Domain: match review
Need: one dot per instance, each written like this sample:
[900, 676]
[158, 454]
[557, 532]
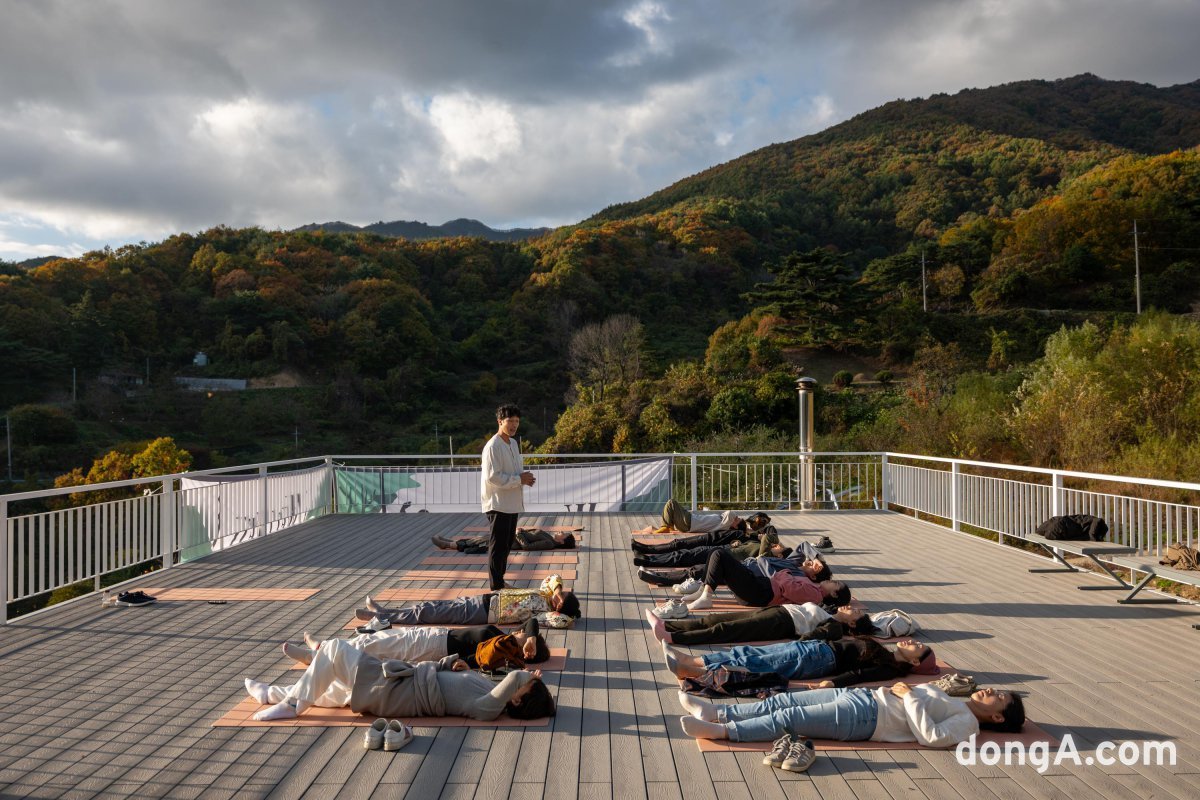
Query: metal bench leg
[1144, 600]
[1120, 581]
[1057, 557]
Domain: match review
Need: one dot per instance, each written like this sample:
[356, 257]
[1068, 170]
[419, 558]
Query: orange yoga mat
[219, 593]
[557, 661]
[1031, 733]
[470, 575]
[546, 528]
[515, 558]
[439, 593]
[240, 716]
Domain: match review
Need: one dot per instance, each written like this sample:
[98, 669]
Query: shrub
[843, 378]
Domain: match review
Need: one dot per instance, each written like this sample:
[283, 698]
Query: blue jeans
[807, 659]
[848, 715]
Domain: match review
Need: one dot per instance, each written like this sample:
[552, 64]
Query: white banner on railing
[219, 511]
[634, 485]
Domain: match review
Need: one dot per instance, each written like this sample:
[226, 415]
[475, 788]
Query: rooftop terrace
[120, 702]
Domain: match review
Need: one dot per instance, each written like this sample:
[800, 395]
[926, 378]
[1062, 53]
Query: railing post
[955, 499]
[806, 388]
[262, 484]
[694, 504]
[1056, 495]
[329, 473]
[166, 517]
[885, 480]
[3, 561]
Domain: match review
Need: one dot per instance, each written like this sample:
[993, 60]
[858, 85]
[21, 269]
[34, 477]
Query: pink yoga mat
[546, 528]
[1031, 733]
[471, 575]
[521, 558]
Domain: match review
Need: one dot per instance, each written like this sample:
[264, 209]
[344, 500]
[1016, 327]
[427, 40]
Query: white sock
[699, 729]
[276, 694]
[700, 709]
[696, 595]
[260, 691]
[282, 710]
[703, 601]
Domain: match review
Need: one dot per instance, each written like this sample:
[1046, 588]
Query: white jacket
[500, 484]
[926, 715]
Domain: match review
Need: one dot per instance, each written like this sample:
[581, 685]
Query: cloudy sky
[128, 120]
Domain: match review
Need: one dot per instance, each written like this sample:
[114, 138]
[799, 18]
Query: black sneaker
[824, 545]
[638, 547]
[131, 599]
[639, 561]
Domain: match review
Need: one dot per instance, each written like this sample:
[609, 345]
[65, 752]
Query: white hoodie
[926, 715]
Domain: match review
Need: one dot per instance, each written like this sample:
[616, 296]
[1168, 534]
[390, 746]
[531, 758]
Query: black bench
[1091, 550]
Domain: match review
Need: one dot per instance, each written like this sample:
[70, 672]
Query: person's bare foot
[658, 626]
[372, 606]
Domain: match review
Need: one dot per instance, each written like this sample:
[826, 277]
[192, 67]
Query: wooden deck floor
[119, 702]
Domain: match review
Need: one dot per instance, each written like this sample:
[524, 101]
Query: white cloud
[151, 120]
[474, 129]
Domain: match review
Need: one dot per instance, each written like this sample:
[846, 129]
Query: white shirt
[926, 715]
[409, 643]
[711, 521]
[500, 483]
[806, 616]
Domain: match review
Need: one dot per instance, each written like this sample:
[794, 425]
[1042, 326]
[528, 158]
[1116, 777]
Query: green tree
[816, 293]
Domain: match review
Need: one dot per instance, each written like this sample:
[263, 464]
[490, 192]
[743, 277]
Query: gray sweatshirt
[430, 689]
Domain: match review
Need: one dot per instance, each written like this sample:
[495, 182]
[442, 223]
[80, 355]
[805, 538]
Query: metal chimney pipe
[806, 388]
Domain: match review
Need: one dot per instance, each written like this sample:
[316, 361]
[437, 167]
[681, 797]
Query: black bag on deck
[1074, 527]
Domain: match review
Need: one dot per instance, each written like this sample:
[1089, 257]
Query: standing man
[501, 490]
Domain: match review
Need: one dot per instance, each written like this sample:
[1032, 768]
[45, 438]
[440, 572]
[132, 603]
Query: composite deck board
[118, 702]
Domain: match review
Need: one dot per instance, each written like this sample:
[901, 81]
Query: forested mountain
[713, 293]
[422, 230]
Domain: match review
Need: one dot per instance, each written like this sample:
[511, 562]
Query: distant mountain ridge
[422, 230]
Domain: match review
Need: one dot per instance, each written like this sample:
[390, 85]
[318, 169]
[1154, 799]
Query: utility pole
[296, 434]
[924, 294]
[451, 451]
[8, 438]
[74, 396]
[1137, 270]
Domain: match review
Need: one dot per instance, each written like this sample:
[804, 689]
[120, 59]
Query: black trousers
[714, 539]
[724, 568]
[678, 558]
[740, 626]
[500, 542]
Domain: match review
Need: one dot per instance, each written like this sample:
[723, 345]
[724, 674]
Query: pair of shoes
[956, 685]
[387, 735]
[824, 545]
[672, 609]
[791, 753]
[376, 625]
[687, 587]
[132, 599]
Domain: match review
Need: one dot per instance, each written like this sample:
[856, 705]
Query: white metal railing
[190, 515]
[1012, 500]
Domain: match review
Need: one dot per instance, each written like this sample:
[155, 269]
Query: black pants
[714, 539]
[740, 626]
[724, 568]
[678, 558]
[504, 530]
